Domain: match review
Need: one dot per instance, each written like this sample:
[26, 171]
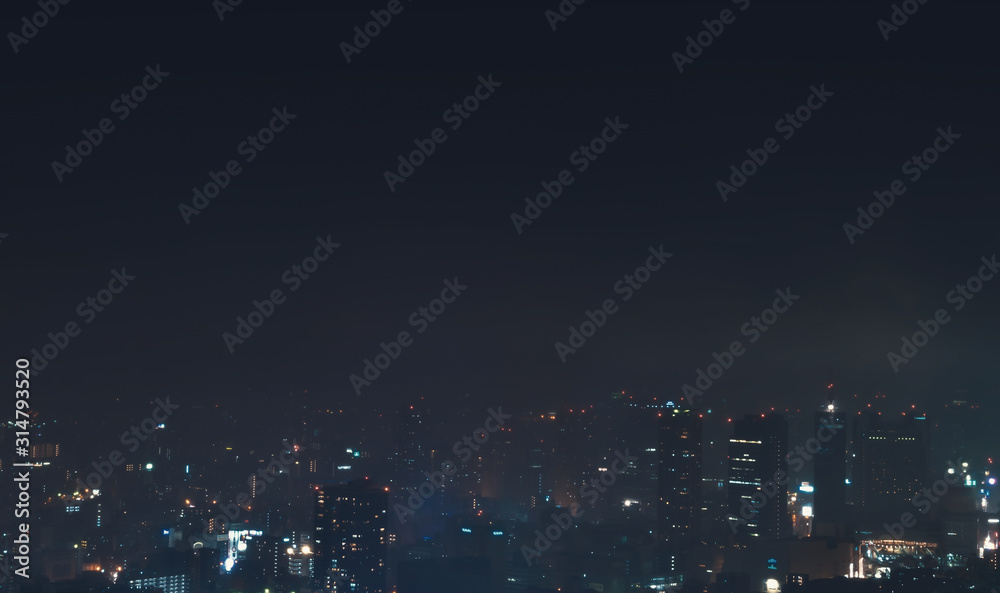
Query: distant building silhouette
[350, 538]
[830, 472]
[891, 463]
[679, 473]
[408, 429]
[758, 483]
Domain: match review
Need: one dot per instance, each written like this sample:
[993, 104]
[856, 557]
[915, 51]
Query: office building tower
[350, 539]
[758, 482]
[830, 469]
[891, 462]
[679, 485]
[408, 433]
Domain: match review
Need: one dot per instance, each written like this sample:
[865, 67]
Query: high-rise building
[408, 431]
[351, 522]
[679, 479]
[830, 470]
[891, 463]
[758, 484]
[204, 568]
[264, 556]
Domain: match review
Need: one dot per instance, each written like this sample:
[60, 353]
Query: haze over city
[570, 296]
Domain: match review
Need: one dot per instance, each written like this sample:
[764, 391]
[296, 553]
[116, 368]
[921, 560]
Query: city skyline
[394, 297]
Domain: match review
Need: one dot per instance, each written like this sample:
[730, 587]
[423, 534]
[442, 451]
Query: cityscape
[623, 494]
[564, 296]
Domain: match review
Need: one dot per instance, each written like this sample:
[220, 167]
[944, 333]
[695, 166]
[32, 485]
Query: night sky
[323, 176]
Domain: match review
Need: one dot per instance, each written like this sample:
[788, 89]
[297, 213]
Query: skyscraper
[758, 485]
[351, 532]
[892, 462]
[679, 478]
[830, 471]
[408, 432]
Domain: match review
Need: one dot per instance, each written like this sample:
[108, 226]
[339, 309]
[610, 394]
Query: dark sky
[655, 185]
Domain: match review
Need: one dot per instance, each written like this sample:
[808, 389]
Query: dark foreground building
[350, 537]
